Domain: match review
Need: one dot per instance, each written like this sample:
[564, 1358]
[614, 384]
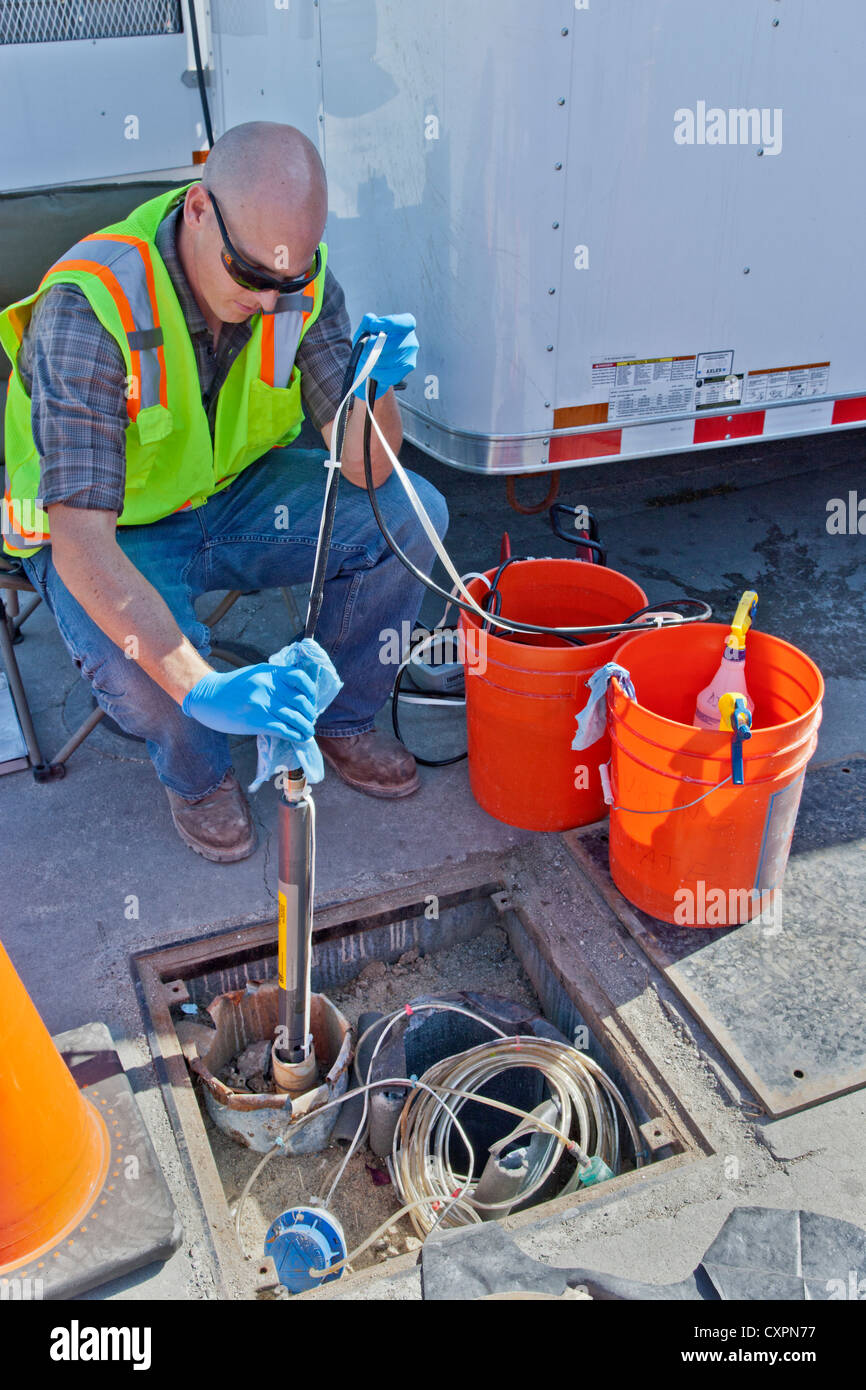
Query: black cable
[317, 586]
[664, 605]
[493, 600]
[461, 603]
[199, 71]
[425, 762]
[427, 694]
[589, 541]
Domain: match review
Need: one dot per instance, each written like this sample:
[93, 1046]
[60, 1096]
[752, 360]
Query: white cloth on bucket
[592, 719]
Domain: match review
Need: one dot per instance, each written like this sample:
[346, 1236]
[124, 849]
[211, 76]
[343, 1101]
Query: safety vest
[171, 461]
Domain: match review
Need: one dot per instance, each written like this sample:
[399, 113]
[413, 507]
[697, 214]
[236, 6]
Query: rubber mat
[782, 1002]
[133, 1221]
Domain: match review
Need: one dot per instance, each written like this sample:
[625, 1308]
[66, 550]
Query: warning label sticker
[642, 388]
[603, 374]
[787, 383]
[714, 363]
[718, 390]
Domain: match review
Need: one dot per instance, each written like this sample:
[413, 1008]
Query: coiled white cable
[433, 1194]
[587, 1125]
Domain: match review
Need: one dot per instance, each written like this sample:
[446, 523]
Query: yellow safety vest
[171, 461]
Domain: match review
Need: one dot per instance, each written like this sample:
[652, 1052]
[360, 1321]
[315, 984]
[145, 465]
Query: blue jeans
[258, 533]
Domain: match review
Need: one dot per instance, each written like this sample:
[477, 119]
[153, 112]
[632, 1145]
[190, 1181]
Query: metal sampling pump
[294, 1056]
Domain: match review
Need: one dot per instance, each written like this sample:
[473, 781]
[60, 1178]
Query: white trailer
[625, 227]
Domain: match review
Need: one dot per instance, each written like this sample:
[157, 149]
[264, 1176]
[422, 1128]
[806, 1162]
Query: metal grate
[242, 17]
[58, 21]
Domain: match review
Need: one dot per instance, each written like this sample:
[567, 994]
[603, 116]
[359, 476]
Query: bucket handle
[607, 793]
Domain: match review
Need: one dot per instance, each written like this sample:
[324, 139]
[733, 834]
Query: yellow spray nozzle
[731, 703]
[726, 709]
[743, 617]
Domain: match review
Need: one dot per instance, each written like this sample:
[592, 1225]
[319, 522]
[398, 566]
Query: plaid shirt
[75, 375]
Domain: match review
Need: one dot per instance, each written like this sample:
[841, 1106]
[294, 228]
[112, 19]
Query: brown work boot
[218, 826]
[374, 763]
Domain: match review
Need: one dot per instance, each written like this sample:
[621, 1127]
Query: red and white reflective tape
[673, 435]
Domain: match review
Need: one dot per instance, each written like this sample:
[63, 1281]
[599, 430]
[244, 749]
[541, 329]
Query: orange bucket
[522, 695]
[718, 860]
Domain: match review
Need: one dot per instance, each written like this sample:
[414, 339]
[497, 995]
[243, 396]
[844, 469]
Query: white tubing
[420, 510]
[586, 1097]
[458, 585]
[389, 1024]
[424, 518]
[332, 462]
[433, 536]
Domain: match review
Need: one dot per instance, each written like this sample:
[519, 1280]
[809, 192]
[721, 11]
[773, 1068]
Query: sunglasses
[250, 277]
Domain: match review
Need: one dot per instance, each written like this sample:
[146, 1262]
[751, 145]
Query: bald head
[274, 169]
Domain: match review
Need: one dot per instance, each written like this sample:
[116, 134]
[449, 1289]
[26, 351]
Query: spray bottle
[731, 675]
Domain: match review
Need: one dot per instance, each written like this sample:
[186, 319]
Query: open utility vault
[348, 937]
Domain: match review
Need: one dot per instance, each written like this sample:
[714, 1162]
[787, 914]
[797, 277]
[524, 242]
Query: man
[159, 372]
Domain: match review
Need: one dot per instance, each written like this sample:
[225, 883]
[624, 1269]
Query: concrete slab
[781, 998]
[836, 1127]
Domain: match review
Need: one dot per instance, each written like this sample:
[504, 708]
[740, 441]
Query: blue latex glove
[278, 754]
[262, 699]
[398, 356]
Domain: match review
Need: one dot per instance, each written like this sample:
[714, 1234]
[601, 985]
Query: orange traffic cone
[54, 1146]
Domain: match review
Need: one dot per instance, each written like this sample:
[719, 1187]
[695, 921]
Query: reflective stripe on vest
[281, 332]
[16, 535]
[129, 280]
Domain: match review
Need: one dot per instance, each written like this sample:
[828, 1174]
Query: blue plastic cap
[303, 1239]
